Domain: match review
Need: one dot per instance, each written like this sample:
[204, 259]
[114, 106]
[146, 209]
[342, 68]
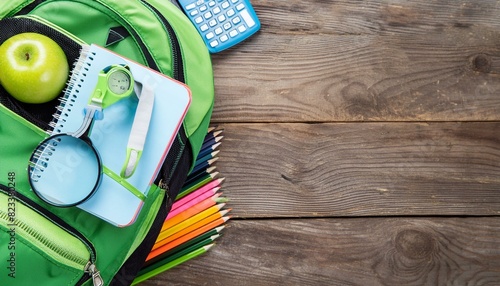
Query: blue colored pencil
[211, 142]
[208, 150]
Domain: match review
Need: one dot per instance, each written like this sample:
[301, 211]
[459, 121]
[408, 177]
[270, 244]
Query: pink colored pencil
[194, 195]
[200, 190]
[192, 203]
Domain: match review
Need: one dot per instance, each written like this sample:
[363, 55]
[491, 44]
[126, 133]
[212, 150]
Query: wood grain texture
[361, 251]
[324, 61]
[362, 147]
[361, 169]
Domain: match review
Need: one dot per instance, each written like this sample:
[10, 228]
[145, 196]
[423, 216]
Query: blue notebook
[112, 202]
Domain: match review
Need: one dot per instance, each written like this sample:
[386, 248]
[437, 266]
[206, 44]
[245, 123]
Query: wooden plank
[351, 17]
[369, 169]
[360, 251]
[324, 61]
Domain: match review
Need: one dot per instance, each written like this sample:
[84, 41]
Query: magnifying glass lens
[64, 170]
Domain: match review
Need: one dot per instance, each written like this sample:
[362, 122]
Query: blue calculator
[222, 23]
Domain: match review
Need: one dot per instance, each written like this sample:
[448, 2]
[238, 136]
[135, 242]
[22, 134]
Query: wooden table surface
[362, 147]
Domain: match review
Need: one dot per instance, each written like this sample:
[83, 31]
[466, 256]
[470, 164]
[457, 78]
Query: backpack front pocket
[44, 250]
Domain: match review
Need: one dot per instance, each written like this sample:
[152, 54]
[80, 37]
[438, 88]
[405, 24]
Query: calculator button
[242, 29]
[240, 7]
[216, 10]
[210, 35]
[200, 2]
[212, 23]
[221, 18]
[214, 43]
[224, 38]
[236, 20]
[247, 18]
[194, 13]
[204, 27]
[211, 3]
[203, 8]
[218, 31]
[198, 20]
[227, 26]
[208, 15]
[234, 1]
[190, 6]
[233, 33]
[225, 5]
[230, 12]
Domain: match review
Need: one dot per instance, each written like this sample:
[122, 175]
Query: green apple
[33, 68]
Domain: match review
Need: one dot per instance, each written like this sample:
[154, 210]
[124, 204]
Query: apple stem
[27, 56]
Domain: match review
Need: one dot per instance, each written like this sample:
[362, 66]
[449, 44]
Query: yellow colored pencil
[205, 224]
[180, 226]
[190, 212]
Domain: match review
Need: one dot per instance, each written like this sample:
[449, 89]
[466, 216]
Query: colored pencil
[212, 134]
[211, 142]
[199, 192]
[208, 150]
[205, 158]
[171, 264]
[202, 224]
[183, 240]
[205, 199]
[211, 128]
[202, 239]
[204, 165]
[200, 173]
[175, 255]
[200, 181]
[189, 212]
[184, 224]
[210, 185]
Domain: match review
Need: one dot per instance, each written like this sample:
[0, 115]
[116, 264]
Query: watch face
[119, 82]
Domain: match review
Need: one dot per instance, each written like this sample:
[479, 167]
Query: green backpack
[45, 245]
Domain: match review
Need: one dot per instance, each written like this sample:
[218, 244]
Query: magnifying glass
[66, 169]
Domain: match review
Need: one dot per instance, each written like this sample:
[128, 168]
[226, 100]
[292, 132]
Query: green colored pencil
[172, 264]
[200, 181]
[196, 184]
[199, 174]
[174, 254]
[208, 234]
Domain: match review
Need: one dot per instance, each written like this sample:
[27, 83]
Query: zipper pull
[91, 269]
[163, 185]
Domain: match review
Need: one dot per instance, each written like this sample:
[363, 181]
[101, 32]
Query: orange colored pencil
[183, 224]
[181, 240]
[196, 232]
[199, 207]
[194, 225]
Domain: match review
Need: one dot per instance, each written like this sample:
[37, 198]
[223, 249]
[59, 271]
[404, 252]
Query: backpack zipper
[178, 66]
[55, 27]
[90, 269]
[163, 180]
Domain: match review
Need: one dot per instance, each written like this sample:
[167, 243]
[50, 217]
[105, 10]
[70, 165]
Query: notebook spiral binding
[72, 89]
[40, 158]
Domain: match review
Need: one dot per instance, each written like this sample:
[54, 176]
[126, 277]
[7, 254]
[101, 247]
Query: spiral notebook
[112, 202]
